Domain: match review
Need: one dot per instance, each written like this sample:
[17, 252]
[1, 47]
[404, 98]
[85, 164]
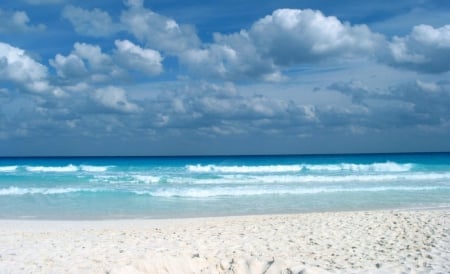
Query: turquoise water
[152, 187]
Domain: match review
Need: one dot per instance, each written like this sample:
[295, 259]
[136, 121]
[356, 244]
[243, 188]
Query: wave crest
[8, 168]
[68, 168]
[374, 167]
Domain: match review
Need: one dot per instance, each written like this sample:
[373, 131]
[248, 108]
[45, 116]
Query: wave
[8, 168]
[244, 169]
[348, 178]
[253, 179]
[375, 167]
[197, 192]
[15, 191]
[255, 191]
[147, 179]
[68, 168]
[300, 178]
[88, 168]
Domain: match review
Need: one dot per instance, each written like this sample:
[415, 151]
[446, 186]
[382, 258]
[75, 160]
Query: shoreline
[177, 217]
[379, 241]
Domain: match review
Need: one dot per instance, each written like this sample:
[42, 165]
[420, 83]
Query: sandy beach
[337, 242]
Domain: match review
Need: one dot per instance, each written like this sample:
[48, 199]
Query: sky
[223, 77]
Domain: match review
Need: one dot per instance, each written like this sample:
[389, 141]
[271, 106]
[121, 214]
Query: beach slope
[336, 242]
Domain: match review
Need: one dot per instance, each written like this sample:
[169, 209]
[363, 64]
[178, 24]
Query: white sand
[343, 242]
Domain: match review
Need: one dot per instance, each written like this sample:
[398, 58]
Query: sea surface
[168, 187]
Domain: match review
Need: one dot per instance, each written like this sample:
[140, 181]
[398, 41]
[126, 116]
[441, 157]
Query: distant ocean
[167, 187]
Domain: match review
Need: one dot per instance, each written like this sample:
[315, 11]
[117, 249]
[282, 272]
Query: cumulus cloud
[18, 67]
[136, 58]
[287, 37]
[115, 99]
[158, 31]
[292, 36]
[96, 59]
[96, 23]
[231, 57]
[86, 62]
[425, 49]
[89, 63]
[17, 21]
[70, 66]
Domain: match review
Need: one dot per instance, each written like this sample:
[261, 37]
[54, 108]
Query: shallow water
[152, 187]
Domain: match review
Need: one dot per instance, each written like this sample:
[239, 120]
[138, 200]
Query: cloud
[136, 58]
[425, 49]
[355, 89]
[429, 100]
[114, 98]
[90, 64]
[231, 57]
[411, 104]
[69, 67]
[86, 62]
[292, 36]
[96, 59]
[18, 67]
[158, 31]
[44, 2]
[96, 23]
[17, 21]
[286, 38]
[218, 110]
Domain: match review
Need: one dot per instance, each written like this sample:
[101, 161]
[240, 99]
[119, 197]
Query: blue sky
[135, 77]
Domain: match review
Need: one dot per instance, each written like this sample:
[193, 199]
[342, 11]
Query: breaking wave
[254, 191]
[68, 168]
[375, 167]
[15, 191]
[8, 168]
[88, 168]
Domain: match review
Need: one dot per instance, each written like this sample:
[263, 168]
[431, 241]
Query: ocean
[86, 188]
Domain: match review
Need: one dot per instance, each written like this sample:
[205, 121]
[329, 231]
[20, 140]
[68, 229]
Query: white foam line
[68, 168]
[8, 168]
[375, 167]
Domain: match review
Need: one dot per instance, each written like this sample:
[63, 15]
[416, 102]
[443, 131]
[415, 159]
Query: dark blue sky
[170, 77]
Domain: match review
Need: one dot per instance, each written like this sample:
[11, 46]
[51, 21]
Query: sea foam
[45, 191]
[68, 168]
[88, 168]
[8, 168]
[374, 167]
[257, 191]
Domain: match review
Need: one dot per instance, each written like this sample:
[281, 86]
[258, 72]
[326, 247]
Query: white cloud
[425, 49]
[69, 67]
[137, 58]
[88, 63]
[17, 21]
[114, 98]
[97, 60]
[96, 23]
[16, 66]
[286, 38]
[292, 36]
[158, 31]
[229, 57]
